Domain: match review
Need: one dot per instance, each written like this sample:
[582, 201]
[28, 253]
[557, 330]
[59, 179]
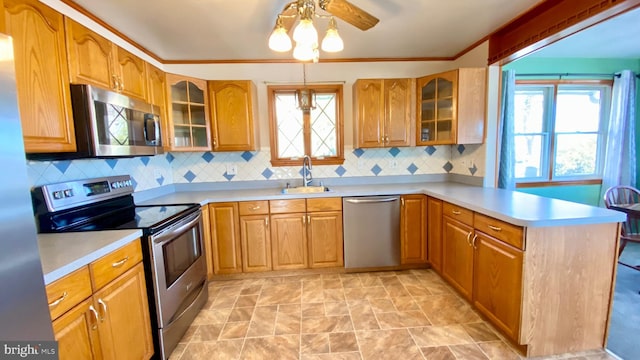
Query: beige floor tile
[370, 280]
[397, 291]
[333, 356]
[387, 344]
[405, 303]
[246, 301]
[343, 342]
[251, 290]
[241, 314]
[437, 353]
[207, 333]
[375, 292]
[326, 324]
[333, 294]
[177, 352]
[313, 309]
[204, 350]
[208, 317]
[312, 285]
[287, 324]
[314, 343]
[440, 335]
[352, 282]
[280, 294]
[417, 290]
[290, 308]
[498, 350]
[234, 330]
[480, 332]
[331, 283]
[468, 352]
[224, 302]
[284, 347]
[365, 322]
[336, 308]
[402, 319]
[188, 335]
[230, 290]
[382, 305]
[312, 296]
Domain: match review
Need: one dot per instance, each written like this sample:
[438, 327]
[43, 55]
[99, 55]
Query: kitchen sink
[304, 189]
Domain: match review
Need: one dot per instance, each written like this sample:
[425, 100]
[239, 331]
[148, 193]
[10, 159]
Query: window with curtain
[316, 132]
[560, 130]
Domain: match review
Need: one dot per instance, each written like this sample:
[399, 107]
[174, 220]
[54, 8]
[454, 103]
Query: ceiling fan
[305, 34]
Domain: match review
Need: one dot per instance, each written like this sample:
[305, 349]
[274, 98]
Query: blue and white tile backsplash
[197, 167]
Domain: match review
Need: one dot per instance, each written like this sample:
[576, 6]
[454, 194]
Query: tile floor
[381, 315]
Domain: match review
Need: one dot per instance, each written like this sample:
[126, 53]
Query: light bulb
[332, 42]
[279, 40]
[303, 52]
[305, 32]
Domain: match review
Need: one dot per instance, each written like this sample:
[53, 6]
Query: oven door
[179, 267]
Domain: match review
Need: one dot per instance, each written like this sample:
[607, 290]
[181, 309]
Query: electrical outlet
[393, 163]
[232, 169]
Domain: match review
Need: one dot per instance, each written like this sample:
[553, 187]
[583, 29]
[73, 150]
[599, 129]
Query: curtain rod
[560, 75]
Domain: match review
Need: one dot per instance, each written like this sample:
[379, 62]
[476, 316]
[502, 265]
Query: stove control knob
[68, 193]
[57, 195]
[115, 185]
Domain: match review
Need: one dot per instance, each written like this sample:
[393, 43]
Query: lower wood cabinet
[413, 229]
[497, 288]
[457, 255]
[289, 241]
[434, 233]
[113, 322]
[325, 239]
[225, 238]
[255, 238]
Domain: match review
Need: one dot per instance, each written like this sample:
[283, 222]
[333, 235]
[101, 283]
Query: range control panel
[69, 194]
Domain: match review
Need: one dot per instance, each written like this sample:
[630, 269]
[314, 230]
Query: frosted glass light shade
[332, 42]
[279, 40]
[305, 32]
[303, 52]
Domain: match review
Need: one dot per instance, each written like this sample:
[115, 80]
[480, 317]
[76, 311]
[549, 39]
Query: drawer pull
[455, 212]
[104, 309]
[120, 263]
[255, 208]
[494, 228]
[469, 239]
[473, 242]
[95, 315]
[58, 300]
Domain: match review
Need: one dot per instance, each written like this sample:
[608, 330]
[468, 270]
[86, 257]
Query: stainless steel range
[173, 252]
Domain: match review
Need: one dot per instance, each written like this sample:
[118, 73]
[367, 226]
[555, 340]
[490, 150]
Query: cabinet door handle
[116, 85]
[255, 208]
[494, 228]
[120, 263]
[266, 222]
[303, 220]
[104, 309]
[455, 212]
[473, 241]
[58, 300]
[95, 316]
[215, 141]
[469, 238]
[402, 202]
[308, 219]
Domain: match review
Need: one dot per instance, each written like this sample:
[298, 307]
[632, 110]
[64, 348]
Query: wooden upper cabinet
[233, 115]
[451, 107]
[187, 105]
[97, 61]
[157, 87]
[42, 76]
[382, 112]
[132, 73]
[413, 229]
[2, 24]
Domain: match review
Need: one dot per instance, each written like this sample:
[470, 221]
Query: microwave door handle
[154, 129]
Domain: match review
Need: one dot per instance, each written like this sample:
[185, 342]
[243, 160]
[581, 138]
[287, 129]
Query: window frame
[338, 159]
[549, 124]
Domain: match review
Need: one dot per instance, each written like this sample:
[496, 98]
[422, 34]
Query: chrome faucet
[306, 171]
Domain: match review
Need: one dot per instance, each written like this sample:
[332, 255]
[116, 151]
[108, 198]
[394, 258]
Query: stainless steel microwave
[108, 124]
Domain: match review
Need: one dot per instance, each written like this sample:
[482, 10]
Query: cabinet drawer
[115, 264]
[324, 204]
[500, 230]
[287, 206]
[66, 292]
[253, 207]
[461, 214]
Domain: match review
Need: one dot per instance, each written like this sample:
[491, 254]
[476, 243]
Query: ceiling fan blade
[349, 13]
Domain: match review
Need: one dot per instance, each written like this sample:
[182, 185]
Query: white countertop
[511, 206]
[64, 253]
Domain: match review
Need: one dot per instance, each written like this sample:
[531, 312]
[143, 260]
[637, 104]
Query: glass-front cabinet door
[437, 108]
[189, 124]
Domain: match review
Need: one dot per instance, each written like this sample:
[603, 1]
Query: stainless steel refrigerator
[24, 312]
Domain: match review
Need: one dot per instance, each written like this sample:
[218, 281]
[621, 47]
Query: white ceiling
[614, 38]
[239, 29]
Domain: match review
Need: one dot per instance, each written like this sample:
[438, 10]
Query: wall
[204, 167]
[588, 194]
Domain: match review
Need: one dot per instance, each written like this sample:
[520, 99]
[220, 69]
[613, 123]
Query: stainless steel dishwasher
[371, 231]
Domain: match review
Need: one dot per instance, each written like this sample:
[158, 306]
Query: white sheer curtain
[506, 167]
[620, 156]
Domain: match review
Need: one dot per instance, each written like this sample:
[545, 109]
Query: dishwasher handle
[369, 201]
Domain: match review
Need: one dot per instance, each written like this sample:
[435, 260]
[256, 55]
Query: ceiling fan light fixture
[279, 40]
[305, 32]
[332, 41]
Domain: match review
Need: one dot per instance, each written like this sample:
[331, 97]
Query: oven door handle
[172, 233]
